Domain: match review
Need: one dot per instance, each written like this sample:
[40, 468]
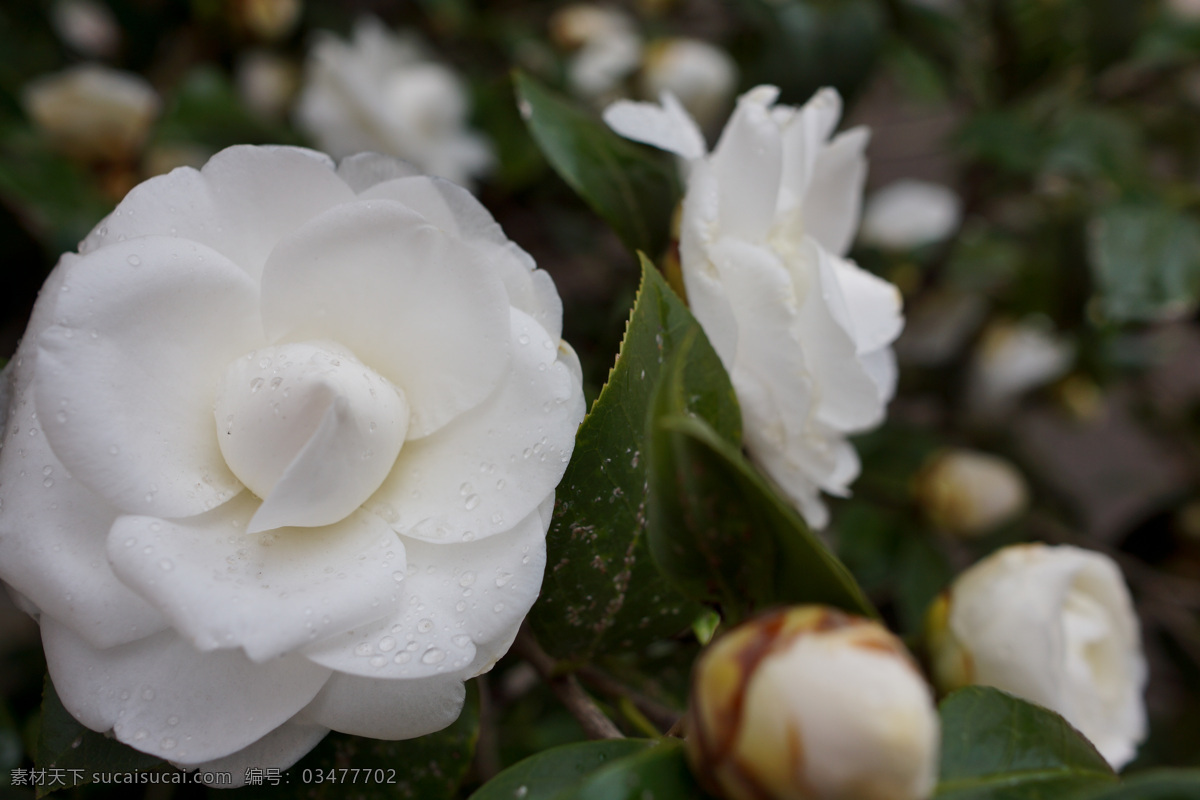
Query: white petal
[364, 170]
[488, 469]
[705, 292]
[279, 749]
[457, 212]
[833, 203]
[52, 533]
[310, 429]
[805, 133]
[849, 399]
[388, 709]
[874, 306]
[125, 385]
[267, 593]
[668, 127]
[413, 303]
[464, 604]
[748, 162]
[239, 204]
[162, 697]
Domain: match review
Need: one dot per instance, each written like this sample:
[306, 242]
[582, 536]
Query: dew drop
[425, 626]
[503, 578]
[134, 261]
[462, 640]
[466, 579]
[465, 489]
[500, 484]
[60, 415]
[362, 649]
[402, 658]
[471, 501]
[256, 384]
[523, 339]
[113, 450]
[168, 743]
[498, 607]
[387, 644]
[398, 576]
[172, 720]
[433, 656]
[377, 661]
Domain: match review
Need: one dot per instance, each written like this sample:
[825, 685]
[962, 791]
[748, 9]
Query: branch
[566, 686]
[660, 715]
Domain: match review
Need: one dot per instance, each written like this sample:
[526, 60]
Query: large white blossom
[804, 333]
[381, 93]
[281, 447]
[1055, 626]
[809, 703]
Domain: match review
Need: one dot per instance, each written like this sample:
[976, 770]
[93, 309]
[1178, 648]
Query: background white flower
[1011, 359]
[910, 213]
[809, 702]
[381, 93]
[365, 350]
[1053, 625]
[92, 112]
[606, 45]
[804, 332]
[970, 493]
[701, 75]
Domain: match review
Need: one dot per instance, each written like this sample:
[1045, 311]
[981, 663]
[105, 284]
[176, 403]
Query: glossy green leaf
[55, 199]
[543, 776]
[997, 747]
[717, 530]
[1145, 259]
[1161, 784]
[633, 187]
[71, 752]
[430, 767]
[206, 110]
[602, 592]
[660, 772]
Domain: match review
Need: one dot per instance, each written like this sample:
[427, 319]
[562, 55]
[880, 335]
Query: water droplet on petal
[134, 261]
[433, 656]
[425, 626]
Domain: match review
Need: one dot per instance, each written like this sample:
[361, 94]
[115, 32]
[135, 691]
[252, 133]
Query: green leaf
[602, 592]
[1145, 259]
[543, 776]
[660, 772]
[717, 530]
[75, 752]
[205, 109]
[1161, 784]
[430, 767]
[997, 747]
[634, 188]
[55, 199]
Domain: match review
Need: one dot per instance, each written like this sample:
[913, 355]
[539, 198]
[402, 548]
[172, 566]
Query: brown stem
[487, 747]
[661, 715]
[567, 688]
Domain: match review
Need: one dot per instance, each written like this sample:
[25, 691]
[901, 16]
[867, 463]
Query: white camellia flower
[811, 703]
[1052, 625]
[92, 112]
[909, 213]
[280, 455]
[804, 333]
[381, 93]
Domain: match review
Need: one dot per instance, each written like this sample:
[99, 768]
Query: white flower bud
[606, 44]
[703, 77]
[1052, 625]
[87, 26]
[811, 703]
[969, 493]
[908, 213]
[266, 83]
[1188, 10]
[1013, 358]
[93, 113]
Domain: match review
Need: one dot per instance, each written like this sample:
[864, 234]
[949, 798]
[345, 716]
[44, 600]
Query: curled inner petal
[310, 429]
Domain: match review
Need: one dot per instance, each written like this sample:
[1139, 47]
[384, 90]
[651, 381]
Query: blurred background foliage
[1052, 324]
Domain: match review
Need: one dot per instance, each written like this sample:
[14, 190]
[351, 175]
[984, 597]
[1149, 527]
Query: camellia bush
[642, 400]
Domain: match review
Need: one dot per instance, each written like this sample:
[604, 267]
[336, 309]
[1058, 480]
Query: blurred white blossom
[812, 703]
[381, 93]
[606, 45]
[92, 112]
[1052, 625]
[969, 493]
[87, 26]
[910, 213]
[1185, 9]
[266, 83]
[1012, 358]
